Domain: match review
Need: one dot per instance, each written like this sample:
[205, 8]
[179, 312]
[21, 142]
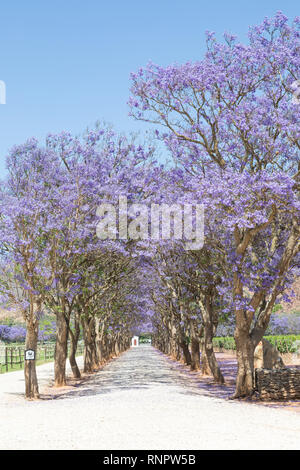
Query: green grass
[16, 367]
[41, 359]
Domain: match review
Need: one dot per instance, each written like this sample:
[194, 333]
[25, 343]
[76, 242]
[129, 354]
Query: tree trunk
[73, 362]
[195, 354]
[74, 341]
[211, 358]
[195, 348]
[178, 352]
[210, 322]
[90, 357]
[61, 350]
[205, 370]
[89, 364]
[186, 353]
[99, 328]
[173, 342]
[31, 382]
[208, 334]
[245, 359]
[105, 348]
[116, 348]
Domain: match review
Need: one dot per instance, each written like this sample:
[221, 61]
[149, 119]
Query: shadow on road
[145, 368]
[138, 368]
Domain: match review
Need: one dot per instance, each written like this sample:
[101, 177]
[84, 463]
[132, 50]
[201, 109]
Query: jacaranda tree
[233, 114]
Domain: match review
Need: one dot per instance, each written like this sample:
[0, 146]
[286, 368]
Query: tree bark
[105, 348]
[205, 370]
[99, 328]
[195, 354]
[31, 382]
[116, 348]
[208, 334]
[211, 359]
[245, 359]
[246, 340]
[61, 350]
[185, 347]
[90, 356]
[173, 342]
[178, 351]
[195, 348]
[74, 341]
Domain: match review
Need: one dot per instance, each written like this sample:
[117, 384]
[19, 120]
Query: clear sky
[66, 64]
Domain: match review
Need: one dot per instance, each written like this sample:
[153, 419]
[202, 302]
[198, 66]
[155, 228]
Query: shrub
[283, 343]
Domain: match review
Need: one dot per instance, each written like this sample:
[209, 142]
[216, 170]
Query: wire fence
[12, 357]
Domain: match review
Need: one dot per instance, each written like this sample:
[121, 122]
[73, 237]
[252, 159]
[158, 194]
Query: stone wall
[278, 384]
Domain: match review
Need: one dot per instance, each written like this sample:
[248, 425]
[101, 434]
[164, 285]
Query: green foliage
[144, 338]
[225, 342]
[283, 343]
[277, 308]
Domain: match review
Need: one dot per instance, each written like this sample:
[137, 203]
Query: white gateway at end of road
[135, 341]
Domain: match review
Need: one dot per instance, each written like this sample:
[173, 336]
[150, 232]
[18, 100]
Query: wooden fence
[12, 357]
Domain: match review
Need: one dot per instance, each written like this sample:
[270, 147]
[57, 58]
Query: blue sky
[66, 64]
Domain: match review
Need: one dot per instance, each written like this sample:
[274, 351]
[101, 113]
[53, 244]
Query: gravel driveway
[140, 400]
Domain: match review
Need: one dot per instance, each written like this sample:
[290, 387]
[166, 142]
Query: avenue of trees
[231, 124]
